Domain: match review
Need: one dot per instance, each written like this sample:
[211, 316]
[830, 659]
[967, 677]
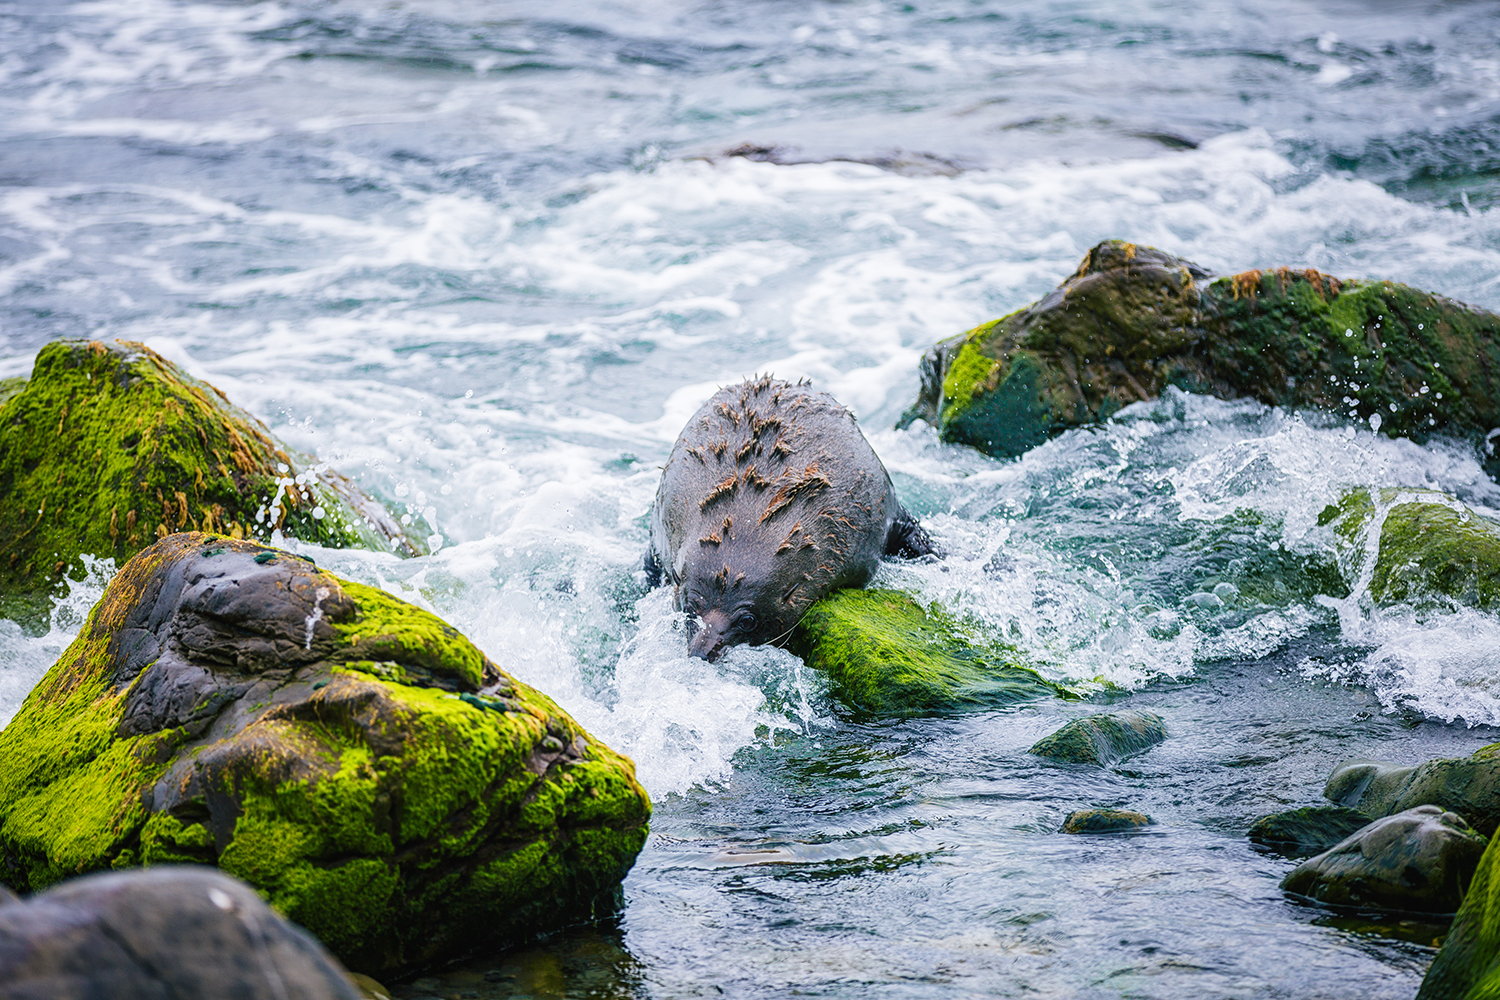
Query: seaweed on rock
[357, 760]
[109, 447]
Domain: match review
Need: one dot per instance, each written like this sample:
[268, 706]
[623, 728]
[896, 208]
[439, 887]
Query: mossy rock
[1105, 821]
[1419, 860]
[1104, 738]
[886, 655]
[1432, 546]
[109, 447]
[356, 759]
[1133, 320]
[1467, 966]
[1301, 833]
[10, 387]
[1469, 786]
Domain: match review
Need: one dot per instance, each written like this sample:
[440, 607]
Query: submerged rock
[1133, 320]
[1105, 821]
[167, 932]
[1418, 860]
[1103, 739]
[1431, 546]
[354, 758]
[1469, 786]
[887, 655]
[1467, 966]
[1310, 830]
[109, 447]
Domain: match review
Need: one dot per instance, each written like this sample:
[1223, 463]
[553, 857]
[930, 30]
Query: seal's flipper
[652, 566]
[908, 539]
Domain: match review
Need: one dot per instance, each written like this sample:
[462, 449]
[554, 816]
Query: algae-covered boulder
[1469, 786]
[1134, 320]
[167, 932]
[1300, 833]
[1431, 546]
[1104, 738]
[354, 758]
[887, 655]
[1419, 860]
[109, 447]
[1105, 821]
[1467, 966]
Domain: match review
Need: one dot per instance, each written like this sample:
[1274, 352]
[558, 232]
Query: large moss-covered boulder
[1469, 786]
[1133, 320]
[887, 655]
[1468, 965]
[1419, 860]
[1103, 739]
[167, 932]
[1431, 546]
[354, 758]
[109, 447]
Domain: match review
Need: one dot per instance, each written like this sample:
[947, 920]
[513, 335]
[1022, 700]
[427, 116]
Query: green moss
[1432, 546]
[1468, 965]
[389, 629]
[1133, 320]
[887, 655]
[10, 387]
[394, 820]
[109, 447]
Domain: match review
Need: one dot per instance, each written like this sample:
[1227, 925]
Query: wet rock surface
[109, 447]
[1467, 966]
[352, 757]
[1103, 739]
[1133, 321]
[1105, 821]
[1301, 833]
[157, 935]
[887, 655]
[1433, 549]
[1469, 786]
[1418, 860]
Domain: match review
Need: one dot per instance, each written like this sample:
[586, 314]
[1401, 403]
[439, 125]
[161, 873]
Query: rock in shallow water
[1310, 830]
[1105, 821]
[160, 934]
[354, 758]
[109, 447]
[1469, 786]
[1468, 965]
[1103, 739]
[887, 655]
[1419, 860]
[1133, 320]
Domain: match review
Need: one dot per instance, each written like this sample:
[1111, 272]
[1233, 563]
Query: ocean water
[487, 258]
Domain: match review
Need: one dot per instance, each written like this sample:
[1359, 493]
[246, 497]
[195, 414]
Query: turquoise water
[487, 258]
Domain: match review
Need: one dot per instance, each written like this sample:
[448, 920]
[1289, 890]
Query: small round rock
[1105, 821]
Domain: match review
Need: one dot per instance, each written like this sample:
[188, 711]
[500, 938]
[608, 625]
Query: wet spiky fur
[771, 499]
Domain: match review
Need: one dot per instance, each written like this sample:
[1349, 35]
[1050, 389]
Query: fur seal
[770, 500]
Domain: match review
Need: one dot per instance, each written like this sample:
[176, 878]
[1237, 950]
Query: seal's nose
[707, 641]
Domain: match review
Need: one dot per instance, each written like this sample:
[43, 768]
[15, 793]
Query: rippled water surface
[487, 258]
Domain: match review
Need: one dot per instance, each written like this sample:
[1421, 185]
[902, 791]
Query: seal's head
[733, 606]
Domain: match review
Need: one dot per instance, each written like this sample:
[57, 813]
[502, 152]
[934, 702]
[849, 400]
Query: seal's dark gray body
[771, 499]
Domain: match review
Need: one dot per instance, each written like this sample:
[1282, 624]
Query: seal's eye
[744, 622]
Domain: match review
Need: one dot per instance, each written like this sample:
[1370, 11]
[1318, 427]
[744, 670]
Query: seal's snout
[708, 639]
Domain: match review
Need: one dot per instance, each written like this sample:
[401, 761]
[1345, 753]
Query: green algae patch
[1133, 321]
[109, 447]
[1432, 548]
[364, 766]
[886, 655]
[1103, 739]
[1467, 966]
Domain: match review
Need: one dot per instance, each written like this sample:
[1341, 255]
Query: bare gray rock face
[160, 934]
